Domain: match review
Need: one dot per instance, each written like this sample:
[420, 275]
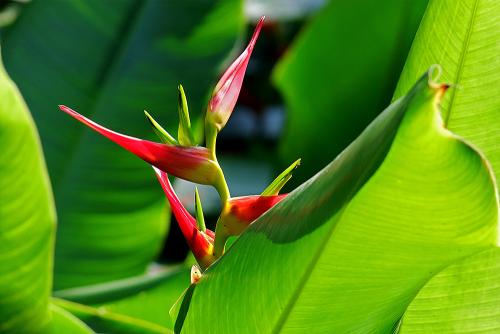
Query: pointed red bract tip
[228, 88]
[256, 33]
[249, 208]
[189, 163]
[200, 244]
[242, 211]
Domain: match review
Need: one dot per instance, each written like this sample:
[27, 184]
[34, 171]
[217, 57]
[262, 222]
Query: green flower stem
[211, 133]
[221, 186]
[221, 237]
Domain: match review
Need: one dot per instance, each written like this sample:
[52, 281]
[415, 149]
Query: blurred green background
[321, 71]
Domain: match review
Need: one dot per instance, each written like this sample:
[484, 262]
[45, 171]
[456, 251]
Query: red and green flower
[182, 158]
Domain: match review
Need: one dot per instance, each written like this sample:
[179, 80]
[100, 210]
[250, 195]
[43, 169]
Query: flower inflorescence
[183, 158]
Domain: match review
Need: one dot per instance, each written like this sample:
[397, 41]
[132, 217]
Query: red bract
[228, 88]
[242, 211]
[201, 243]
[189, 163]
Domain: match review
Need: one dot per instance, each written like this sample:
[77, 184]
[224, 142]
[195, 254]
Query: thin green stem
[221, 237]
[222, 188]
[211, 133]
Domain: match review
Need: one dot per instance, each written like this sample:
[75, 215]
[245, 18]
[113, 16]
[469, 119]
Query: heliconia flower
[228, 88]
[190, 163]
[201, 243]
[240, 212]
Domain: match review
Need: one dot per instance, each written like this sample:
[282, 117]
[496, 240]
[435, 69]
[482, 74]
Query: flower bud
[228, 88]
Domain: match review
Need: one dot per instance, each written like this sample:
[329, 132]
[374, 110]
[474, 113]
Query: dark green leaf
[340, 73]
[111, 60]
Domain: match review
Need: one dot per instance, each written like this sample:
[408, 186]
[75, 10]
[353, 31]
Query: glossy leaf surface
[463, 298]
[111, 60]
[27, 225]
[27, 218]
[348, 250]
[463, 36]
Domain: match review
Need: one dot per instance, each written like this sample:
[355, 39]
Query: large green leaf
[464, 37]
[110, 60]
[347, 251]
[27, 219]
[27, 225]
[463, 298]
[350, 48]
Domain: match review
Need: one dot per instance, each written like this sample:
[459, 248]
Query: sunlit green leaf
[462, 298]
[463, 36]
[347, 251]
[27, 225]
[27, 219]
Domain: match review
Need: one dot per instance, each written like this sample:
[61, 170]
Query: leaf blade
[349, 249]
[27, 218]
[462, 298]
[462, 36]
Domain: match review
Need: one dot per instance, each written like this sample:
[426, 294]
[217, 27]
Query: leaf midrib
[362, 180]
[461, 61]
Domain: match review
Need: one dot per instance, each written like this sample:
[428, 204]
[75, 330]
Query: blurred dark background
[320, 72]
